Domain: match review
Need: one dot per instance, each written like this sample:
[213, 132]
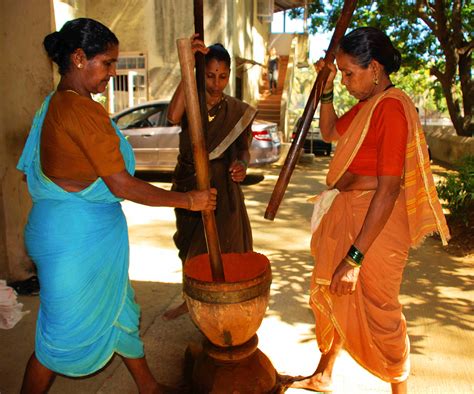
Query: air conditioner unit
[265, 9]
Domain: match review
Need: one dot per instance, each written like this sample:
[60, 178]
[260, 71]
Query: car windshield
[143, 117]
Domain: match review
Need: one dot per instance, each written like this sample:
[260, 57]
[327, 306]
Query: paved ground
[437, 293]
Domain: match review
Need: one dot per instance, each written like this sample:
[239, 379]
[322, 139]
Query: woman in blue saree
[79, 167]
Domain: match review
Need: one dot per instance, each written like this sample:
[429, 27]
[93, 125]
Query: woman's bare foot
[174, 313]
[316, 382]
[287, 380]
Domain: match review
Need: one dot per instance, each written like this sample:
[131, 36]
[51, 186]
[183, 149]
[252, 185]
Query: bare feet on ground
[315, 382]
[174, 313]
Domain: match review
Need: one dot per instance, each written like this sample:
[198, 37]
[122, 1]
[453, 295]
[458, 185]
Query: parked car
[156, 143]
[314, 142]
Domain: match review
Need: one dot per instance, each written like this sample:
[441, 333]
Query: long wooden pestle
[201, 157]
[308, 113]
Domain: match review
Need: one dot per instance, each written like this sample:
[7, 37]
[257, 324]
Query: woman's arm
[177, 107]
[327, 114]
[327, 122]
[123, 185]
[379, 211]
[344, 279]
[238, 169]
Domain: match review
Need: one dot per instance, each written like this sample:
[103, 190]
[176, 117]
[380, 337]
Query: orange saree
[370, 321]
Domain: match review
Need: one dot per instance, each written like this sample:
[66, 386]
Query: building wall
[250, 41]
[25, 79]
[153, 26]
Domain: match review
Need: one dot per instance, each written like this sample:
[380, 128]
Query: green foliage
[399, 19]
[457, 190]
[419, 85]
[433, 36]
[343, 101]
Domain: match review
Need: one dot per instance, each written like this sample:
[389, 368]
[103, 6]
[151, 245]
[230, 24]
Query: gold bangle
[190, 201]
[351, 262]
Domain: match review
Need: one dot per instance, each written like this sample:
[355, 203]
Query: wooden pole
[201, 156]
[310, 108]
[200, 63]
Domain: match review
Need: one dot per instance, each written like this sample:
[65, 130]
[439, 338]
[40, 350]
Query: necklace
[72, 91]
[210, 117]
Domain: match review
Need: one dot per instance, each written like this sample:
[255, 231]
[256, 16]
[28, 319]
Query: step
[269, 106]
[270, 119]
[270, 97]
[273, 108]
[267, 114]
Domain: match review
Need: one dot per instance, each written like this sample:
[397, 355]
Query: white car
[156, 143]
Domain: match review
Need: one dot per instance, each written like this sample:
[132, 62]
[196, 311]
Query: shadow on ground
[430, 276]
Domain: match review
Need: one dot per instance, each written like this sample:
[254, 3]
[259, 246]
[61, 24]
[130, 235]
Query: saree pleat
[370, 321]
[79, 243]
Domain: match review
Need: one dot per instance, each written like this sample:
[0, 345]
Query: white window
[130, 86]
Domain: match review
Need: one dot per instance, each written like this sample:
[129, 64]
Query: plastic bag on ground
[10, 309]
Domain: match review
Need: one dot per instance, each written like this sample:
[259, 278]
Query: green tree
[435, 35]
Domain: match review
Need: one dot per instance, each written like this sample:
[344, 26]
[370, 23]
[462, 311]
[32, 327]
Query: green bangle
[355, 254]
[327, 98]
[244, 163]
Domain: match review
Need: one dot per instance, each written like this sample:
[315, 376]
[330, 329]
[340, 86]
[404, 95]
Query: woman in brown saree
[228, 140]
[381, 201]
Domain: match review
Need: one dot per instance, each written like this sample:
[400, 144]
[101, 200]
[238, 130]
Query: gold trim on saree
[239, 127]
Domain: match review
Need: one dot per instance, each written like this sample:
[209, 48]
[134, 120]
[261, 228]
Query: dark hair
[88, 34]
[367, 43]
[219, 53]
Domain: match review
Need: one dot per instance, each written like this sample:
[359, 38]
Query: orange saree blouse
[383, 150]
[78, 141]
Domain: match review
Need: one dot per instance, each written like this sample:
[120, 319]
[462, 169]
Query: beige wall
[153, 26]
[25, 79]
[446, 146]
[250, 41]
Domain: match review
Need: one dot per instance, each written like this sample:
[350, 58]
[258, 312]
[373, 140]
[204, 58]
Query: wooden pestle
[201, 156]
[308, 113]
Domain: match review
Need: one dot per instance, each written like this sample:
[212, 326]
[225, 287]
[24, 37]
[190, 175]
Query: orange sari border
[326, 338]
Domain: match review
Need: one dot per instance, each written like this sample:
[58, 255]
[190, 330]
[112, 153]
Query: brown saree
[370, 321]
[233, 225]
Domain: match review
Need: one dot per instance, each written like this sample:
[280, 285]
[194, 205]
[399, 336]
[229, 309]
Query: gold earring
[80, 66]
[376, 81]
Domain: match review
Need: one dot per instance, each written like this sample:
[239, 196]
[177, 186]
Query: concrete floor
[437, 294]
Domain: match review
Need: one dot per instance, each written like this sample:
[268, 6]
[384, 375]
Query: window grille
[130, 86]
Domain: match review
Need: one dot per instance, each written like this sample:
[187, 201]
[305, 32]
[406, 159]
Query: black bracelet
[355, 254]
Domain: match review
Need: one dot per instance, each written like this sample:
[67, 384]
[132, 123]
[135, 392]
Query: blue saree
[79, 243]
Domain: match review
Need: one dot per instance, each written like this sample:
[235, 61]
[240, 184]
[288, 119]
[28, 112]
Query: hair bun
[53, 43]
[397, 60]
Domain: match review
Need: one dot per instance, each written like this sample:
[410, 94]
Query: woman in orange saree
[381, 201]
